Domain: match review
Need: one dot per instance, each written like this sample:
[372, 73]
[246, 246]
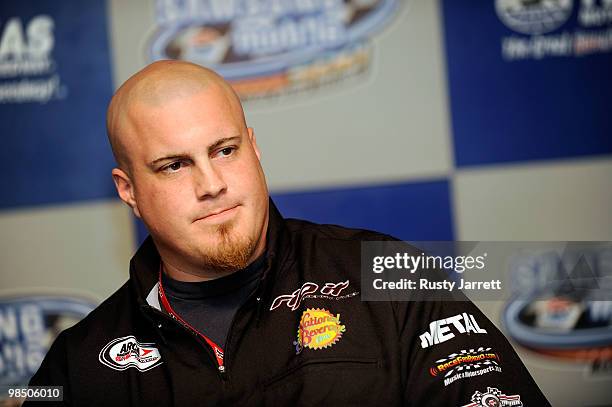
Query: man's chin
[228, 252]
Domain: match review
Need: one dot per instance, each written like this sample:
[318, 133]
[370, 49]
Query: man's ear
[125, 189]
[254, 142]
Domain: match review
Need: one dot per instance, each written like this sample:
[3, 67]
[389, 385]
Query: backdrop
[424, 119]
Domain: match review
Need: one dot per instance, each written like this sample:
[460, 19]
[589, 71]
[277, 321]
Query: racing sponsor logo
[27, 68]
[466, 364]
[494, 398]
[28, 326]
[588, 34]
[533, 16]
[329, 291]
[562, 305]
[442, 329]
[268, 47]
[318, 329]
[123, 353]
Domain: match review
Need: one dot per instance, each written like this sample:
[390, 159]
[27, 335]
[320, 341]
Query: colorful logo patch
[126, 352]
[319, 329]
[494, 398]
[466, 364]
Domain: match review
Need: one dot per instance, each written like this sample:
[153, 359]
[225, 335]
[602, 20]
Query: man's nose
[208, 181]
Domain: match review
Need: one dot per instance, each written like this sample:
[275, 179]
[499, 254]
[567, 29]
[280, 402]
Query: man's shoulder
[104, 319]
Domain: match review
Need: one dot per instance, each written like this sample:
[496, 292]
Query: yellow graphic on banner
[319, 329]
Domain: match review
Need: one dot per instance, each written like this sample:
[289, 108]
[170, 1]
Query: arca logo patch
[123, 353]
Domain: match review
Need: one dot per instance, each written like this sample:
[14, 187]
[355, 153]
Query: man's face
[197, 182]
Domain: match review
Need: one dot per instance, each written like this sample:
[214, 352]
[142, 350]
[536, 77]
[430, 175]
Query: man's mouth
[218, 214]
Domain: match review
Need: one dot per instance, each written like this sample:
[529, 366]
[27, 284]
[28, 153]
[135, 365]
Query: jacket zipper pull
[223, 373]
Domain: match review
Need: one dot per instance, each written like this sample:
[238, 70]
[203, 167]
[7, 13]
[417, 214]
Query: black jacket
[128, 352]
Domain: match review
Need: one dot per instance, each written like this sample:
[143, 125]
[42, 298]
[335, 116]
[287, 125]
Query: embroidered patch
[123, 353]
[329, 291]
[318, 329]
[466, 364]
[494, 398]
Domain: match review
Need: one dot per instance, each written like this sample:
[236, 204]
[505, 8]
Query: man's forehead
[159, 85]
[198, 119]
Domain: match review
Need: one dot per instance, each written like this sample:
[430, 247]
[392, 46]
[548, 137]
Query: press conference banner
[55, 83]
[529, 80]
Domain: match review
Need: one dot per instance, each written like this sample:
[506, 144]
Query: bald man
[230, 304]
[189, 168]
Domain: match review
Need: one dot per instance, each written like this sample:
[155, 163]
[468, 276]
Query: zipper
[240, 310]
[170, 318]
[218, 352]
[221, 368]
[258, 295]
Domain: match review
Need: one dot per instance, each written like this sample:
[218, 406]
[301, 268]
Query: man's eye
[173, 167]
[227, 151]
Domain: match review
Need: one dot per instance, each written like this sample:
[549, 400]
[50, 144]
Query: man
[230, 304]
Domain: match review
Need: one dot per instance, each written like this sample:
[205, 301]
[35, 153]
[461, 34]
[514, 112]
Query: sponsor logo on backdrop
[561, 28]
[562, 304]
[466, 364]
[28, 327]
[329, 291]
[446, 329]
[123, 353]
[494, 398]
[269, 48]
[28, 72]
[533, 17]
[318, 329]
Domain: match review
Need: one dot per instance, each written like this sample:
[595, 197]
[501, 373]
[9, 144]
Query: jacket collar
[144, 266]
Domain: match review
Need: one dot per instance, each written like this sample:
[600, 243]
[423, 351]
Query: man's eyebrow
[222, 141]
[182, 156]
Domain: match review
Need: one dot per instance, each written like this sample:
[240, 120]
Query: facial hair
[232, 253]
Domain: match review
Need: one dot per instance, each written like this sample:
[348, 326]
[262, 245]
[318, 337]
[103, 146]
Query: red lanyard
[166, 304]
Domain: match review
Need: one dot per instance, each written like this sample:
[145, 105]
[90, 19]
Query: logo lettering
[440, 330]
[318, 329]
[126, 352]
[309, 289]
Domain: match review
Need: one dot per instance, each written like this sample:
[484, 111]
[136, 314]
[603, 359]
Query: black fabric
[379, 359]
[210, 306]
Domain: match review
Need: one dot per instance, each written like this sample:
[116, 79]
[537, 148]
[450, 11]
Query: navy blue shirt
[209, 306]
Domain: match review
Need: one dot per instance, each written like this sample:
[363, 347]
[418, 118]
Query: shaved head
[189, 168]
[157, 84]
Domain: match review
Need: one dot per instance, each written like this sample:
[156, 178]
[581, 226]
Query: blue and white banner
[529, 80]
[55, 84]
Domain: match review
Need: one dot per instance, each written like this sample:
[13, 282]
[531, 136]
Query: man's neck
[179, 274]
[195, 274]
